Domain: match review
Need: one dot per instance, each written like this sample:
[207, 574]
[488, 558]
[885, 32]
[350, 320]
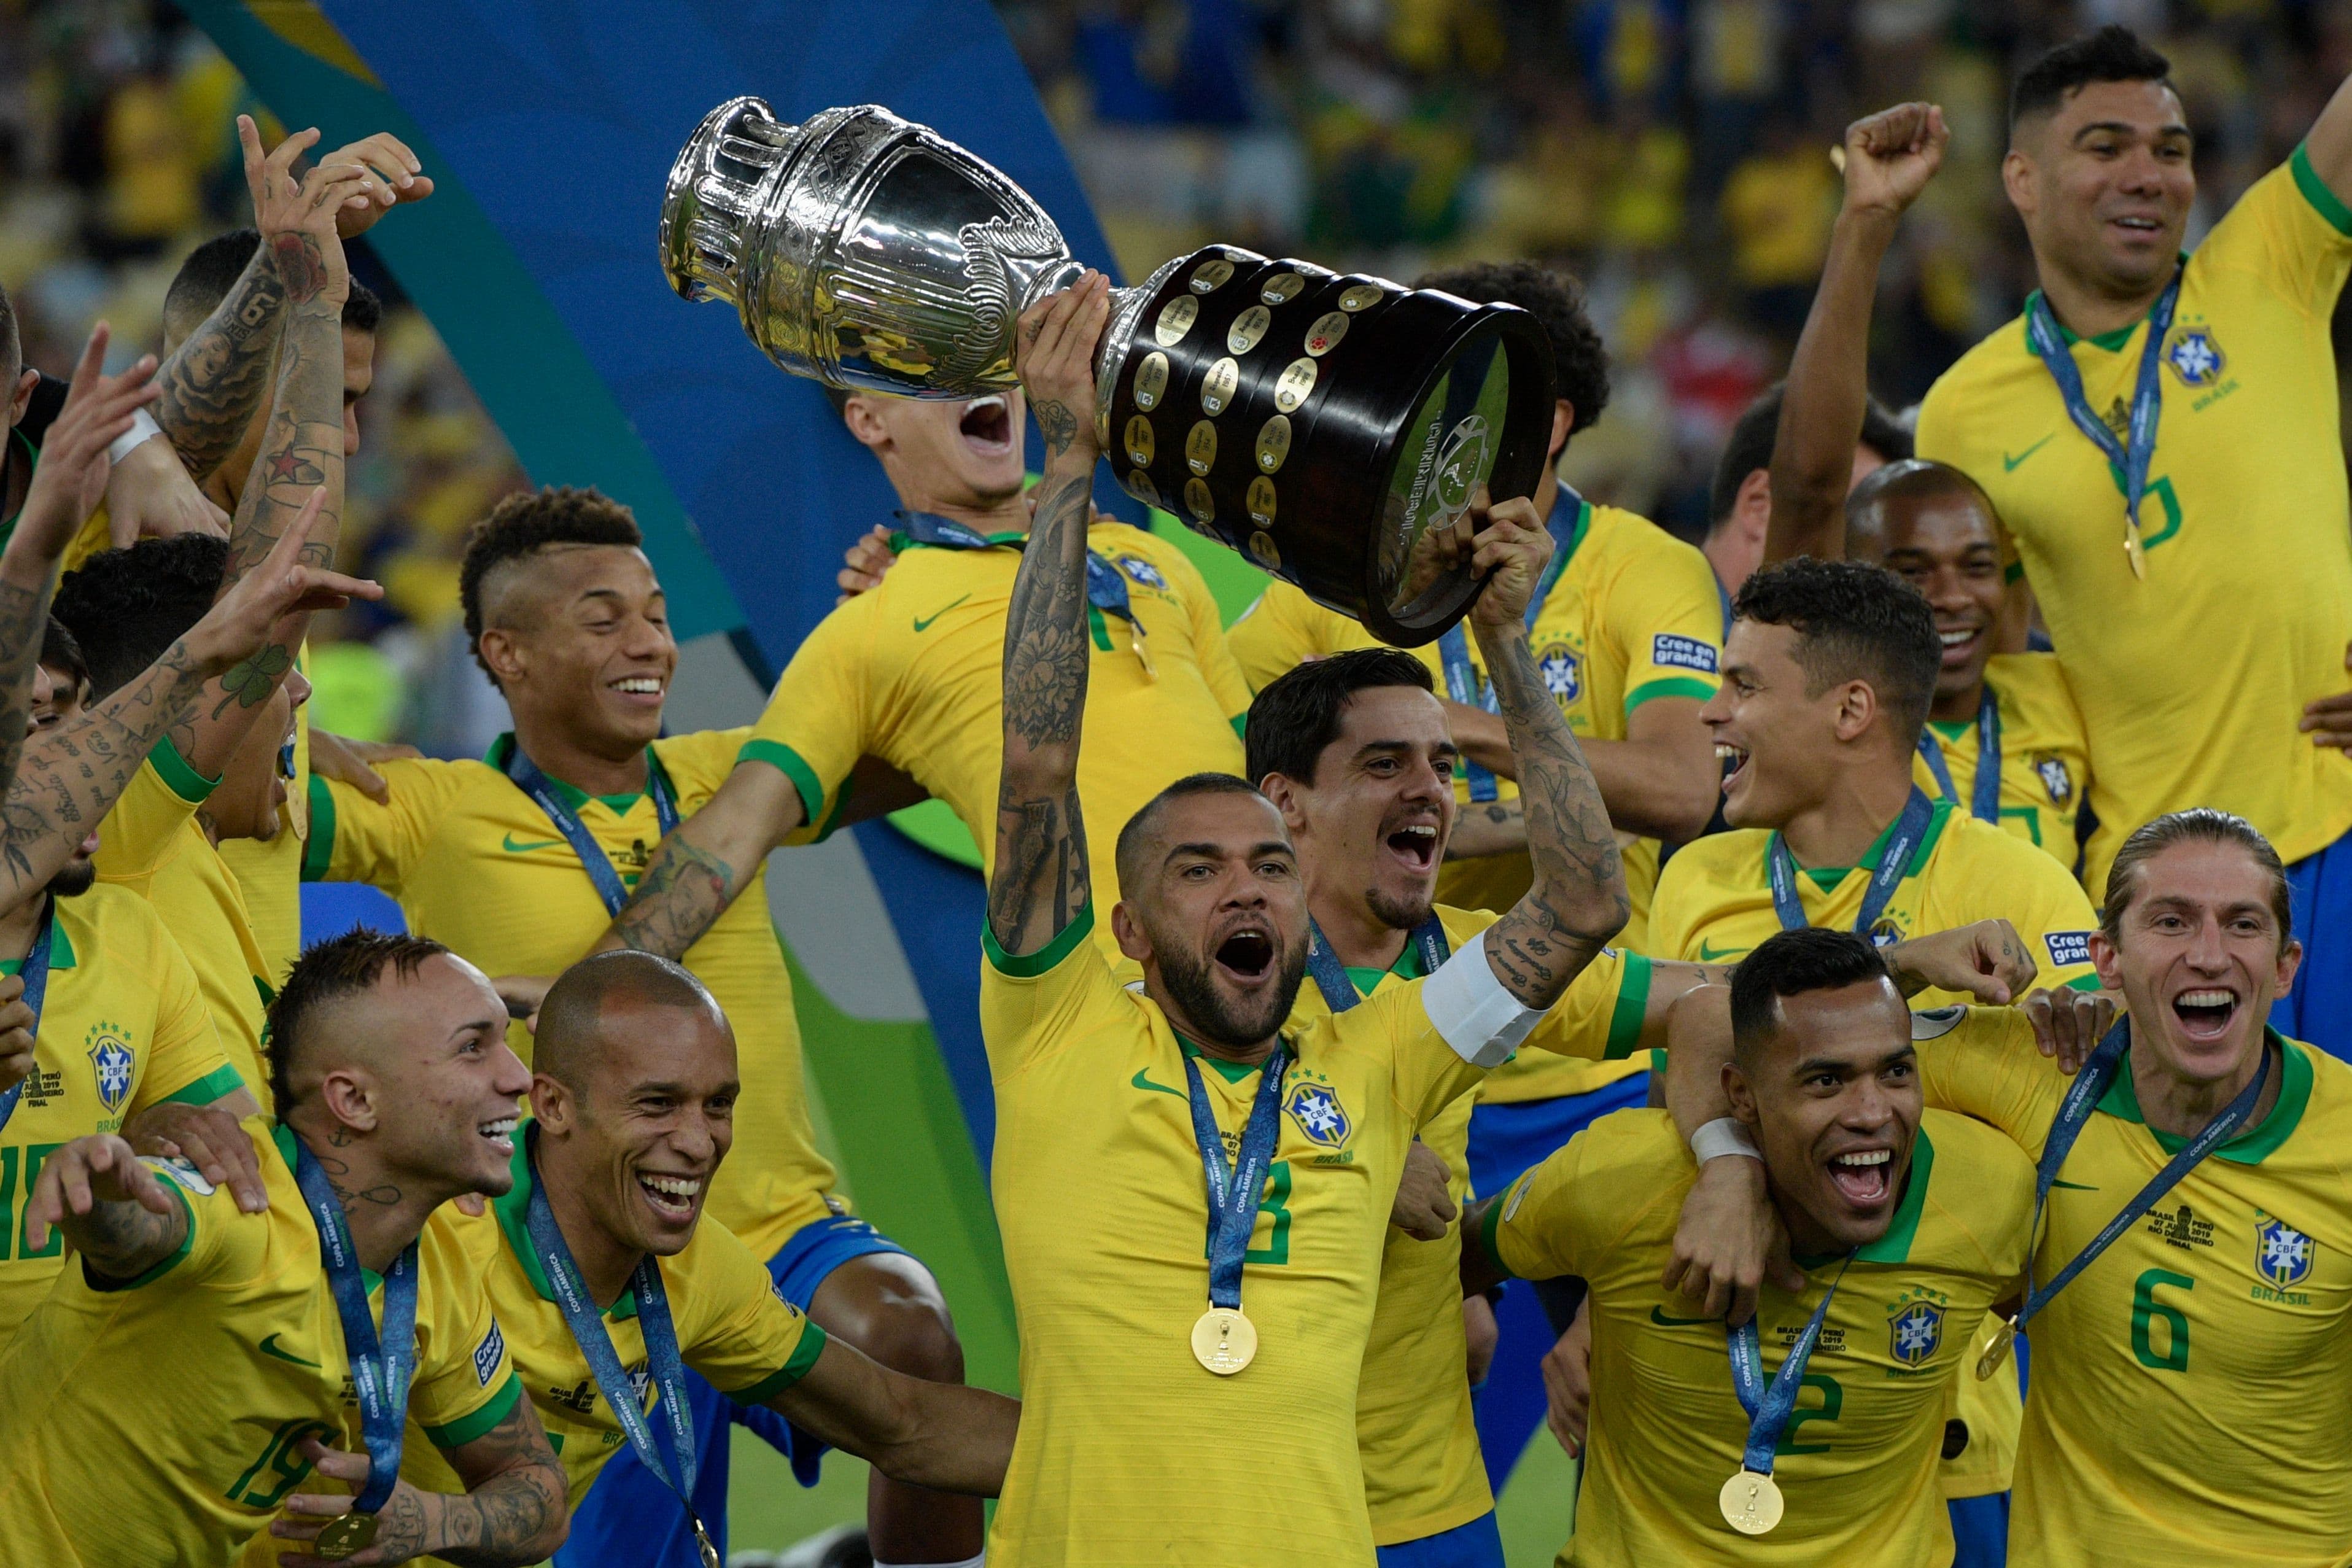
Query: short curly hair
[127, 607]
[1556, 300]
[527, 522]
[1853, 622]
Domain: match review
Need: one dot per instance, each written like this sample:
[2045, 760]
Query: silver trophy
[1330, 428]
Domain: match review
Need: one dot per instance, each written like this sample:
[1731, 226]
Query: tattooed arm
[513, 1509]
[1041, 881]
[706, 861]
[1577, 900]
[214, 381]
[112, 1209]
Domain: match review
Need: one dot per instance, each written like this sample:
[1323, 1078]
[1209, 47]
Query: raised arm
[112, 1209]
[1578, 899]
[1889, 158]
[2328, 143]
[940, 1435]
[1041, 882]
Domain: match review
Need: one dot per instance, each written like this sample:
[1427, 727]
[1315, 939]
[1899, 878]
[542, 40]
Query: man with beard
[1126, 1380]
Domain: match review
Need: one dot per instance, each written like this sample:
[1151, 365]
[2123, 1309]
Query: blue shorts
[1478, 1545]
[2319, 1007]
[1979, 1530]
[629, 1517]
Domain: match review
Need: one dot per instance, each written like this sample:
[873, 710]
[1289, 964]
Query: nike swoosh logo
[2074, 1186]
[923, 623]
[269, 1347]
[2008, 464]
[1710, 953]
[1658, 1316]
[1140, 1082]
[512, 847]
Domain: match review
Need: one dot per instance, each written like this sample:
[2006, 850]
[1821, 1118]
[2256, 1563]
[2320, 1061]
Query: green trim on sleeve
[180, 775]
[1028, 966]
[187, 1244]
[1633, 1002]
[222, 1080]
[466, 1428]
[2083, 982]
[2324, 202]
[801, 1361]
[319, 849]
[789, 763]
[1493, 1223]
[1672, 686]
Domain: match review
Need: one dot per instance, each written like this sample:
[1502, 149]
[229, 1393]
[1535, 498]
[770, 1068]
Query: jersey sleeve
[354, 839]
[465, 1383]
[184, 1061]
[1675, 907]
[220, 1241]
[747, 1341]
[2292, 231]
[699, 762]
[1219, 668]
[1666, 615]
[1285, 629]
[2051, 911]
[1599, 1016]
[141, 834]
[1982, 1062]
[817, 720]
[1033, 1003]
[1567, 1212]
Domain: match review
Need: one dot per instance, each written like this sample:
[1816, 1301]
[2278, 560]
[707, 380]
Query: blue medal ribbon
[2130, 461]
[1234, 1197]
[2090, 1085]
[1894, 862]
[381, 1366]
[36, 973]
[1769, 1406]
[1331, 976]
[677, 1467]
[1463, 682]
[1106, 583]
[1984, 795]
[542, 789]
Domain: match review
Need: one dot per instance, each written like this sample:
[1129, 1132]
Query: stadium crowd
[1909, 926]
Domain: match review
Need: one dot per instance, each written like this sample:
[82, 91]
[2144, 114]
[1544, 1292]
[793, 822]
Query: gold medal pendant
[702, 1545]
[345, 1535]
[1996, 1350]
[2133, 551]
[1751, 1503]
[1224, 1341]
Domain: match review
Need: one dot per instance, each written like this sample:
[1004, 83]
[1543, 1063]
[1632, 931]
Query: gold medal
[1996, 1350]
[2133, 551]
[1325, 334]
[1297, 379]
[1140, 443]
[704, 1546]
[1224, 1340]
[1282, 288]
[1751, 1503]
[1217, 387]
[1176, 318]
[1199, 502]
[1247, 329]
[1200, 448]
[345, 1535]
[1210, 276]
[1150, 380]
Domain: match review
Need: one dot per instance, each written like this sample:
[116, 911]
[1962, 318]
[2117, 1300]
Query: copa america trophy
[1330, 428]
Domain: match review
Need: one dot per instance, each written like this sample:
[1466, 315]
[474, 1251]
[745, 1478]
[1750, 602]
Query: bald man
[633, 1098]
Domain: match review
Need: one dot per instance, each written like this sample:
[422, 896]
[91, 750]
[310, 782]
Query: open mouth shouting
[1733, 760]
[499, 1134]
[1863, 1176]
[1246, 956]
[675, 1198]
[1415, 845]
[2206, 1012]
[987, 426]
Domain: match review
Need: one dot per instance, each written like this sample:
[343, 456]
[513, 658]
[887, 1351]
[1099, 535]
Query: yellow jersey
[150, 845]
[2045, 760]
[913, 672]
[161, 1421]
[269, 870]
[732, 1327]
[1099, 1197]
[2246, 506]
[2188, 1389]
[1858, 1461]
[476, 863]
[124, 1027]
[1423, 1473]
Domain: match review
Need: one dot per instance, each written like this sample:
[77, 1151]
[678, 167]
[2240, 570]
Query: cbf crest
[1563, 674]
[1318, 1113]
[2051, 769]
[1143, 572]
[110, 1062]
[2283, 1255]
[2195, 356]
[1914, 1330]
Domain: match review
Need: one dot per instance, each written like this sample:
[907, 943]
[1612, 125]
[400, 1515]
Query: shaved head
[577, 1022]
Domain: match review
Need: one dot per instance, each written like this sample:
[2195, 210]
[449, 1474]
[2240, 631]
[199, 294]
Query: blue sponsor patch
[2067, 947]
[489, 1352]
[1687, 653]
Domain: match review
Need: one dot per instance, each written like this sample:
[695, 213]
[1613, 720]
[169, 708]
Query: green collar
[283, 1136]
[2110, 342]
[513, 1212]
[61, 949]
[502, 750]
[1231, 1072]
[1559, 567]
[1894, 1245]
[2249, 1147]
[1827, 878]
[1953, 730]
[1406, 967]
[900, 544]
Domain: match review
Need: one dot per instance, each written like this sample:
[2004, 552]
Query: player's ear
[1741, 1093]
[2289, 962]
[1283, 792]
[1858, 705]
[1563, 424]
[2109, 962]
[351, 1097]
[501, 652]
[20, 397]
[1129, 932]
[864, 421]
[2019, 179]
[551, 1103]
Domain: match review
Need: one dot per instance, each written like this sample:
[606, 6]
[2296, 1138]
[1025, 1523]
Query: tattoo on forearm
[300, 264]
[681, 895]
[508, 1516]
[215, 381]
[24, 619]
[1059, 425]
[303, 445]
[124, 1240]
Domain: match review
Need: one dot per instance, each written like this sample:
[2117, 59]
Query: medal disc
[346, 1535]
[703, 1545]
[1996, 1350]
[1224, 1340]
[1751, 1503]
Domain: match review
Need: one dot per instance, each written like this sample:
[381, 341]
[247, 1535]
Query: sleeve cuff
[1673, 686]
[466, 1428]
[180, 775]
[179, 1253]
[2324, 202]
[319, 849]
[2085, 982]
[1471, 1009]
[793, 766]
[1028, 966]
[222, 1080]
[1488, 1232]
[1633, 1004]
[803, 1362]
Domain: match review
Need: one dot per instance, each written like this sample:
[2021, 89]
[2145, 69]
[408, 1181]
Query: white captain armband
[143, 429]
[1724, 1135]
[1477, 1016]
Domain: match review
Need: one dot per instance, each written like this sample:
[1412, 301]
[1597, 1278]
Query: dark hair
[1853, 622]
[1749, 445]
[1916, 479]
[569, 1013]
[61, 651]
[526, 522]
[2198, 825]
[362, 311]
[212, 269]
[1556, 300]
[1789, 963]
[127, 607]
[341, 966]
[2113, 53]
[1139, 826]
[1299, 712]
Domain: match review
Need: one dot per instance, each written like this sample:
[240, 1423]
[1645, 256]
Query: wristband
[1724, 1135]
[143, 429]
